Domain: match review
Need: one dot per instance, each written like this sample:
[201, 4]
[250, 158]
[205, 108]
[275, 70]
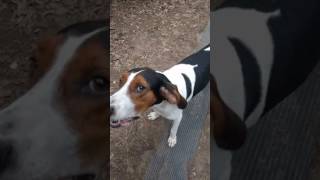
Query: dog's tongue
[122, 122]
[125, 122]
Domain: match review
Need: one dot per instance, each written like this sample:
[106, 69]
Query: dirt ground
[156, 34]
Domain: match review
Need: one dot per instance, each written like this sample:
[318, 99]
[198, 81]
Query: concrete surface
[283, 144]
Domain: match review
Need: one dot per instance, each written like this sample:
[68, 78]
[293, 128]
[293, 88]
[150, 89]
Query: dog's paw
[172, 141]
[153, 116]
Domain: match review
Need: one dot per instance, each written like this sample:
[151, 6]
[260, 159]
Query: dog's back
[194, 72]
[202, 60]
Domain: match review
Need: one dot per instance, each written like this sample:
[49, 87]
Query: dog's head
[57, 130]
[140, 89]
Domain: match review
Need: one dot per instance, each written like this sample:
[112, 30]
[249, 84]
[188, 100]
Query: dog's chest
[167, 110]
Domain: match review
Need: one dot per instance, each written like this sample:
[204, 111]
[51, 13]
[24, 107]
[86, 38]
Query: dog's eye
[98, 85]
[140, 88]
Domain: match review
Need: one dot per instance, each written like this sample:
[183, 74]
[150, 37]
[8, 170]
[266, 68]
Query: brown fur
[45, 54]
[171, 94]
[123, 79]
[228, 129]
[87, 114]
[142, 100]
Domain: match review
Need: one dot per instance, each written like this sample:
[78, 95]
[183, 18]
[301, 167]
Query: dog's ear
[229, 130]
[170, 92]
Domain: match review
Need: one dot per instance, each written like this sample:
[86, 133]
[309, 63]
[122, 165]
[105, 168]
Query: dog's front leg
[172, 140]
[153, 115]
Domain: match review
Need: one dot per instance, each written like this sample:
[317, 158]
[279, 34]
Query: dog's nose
[6, 152]
[112, 110]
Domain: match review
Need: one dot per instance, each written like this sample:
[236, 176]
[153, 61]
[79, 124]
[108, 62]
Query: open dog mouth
[122, 122]
[86, 176]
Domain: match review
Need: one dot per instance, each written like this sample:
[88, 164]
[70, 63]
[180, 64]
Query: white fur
[124, 107]
[170, 111]
[174, 75]
[153, 116]
[45, 145]
[172, 141]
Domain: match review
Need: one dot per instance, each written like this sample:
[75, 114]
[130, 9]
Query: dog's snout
[6, 153]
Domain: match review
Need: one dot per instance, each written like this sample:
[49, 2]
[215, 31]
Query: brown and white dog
[166, 93]
[57, 130]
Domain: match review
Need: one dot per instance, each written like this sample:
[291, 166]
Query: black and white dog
[259, 58]
[167, 93]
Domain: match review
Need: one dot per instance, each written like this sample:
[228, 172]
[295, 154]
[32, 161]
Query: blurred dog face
[57, 129]
[140, 89]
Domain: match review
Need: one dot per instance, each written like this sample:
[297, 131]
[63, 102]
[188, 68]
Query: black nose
[111, 110]
[6, 151]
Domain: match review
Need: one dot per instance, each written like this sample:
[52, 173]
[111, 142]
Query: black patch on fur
[154, 79]
[296, 50]
[188, 84]
[296, 43]
[251, 76]
[82, 28]
[134, 70]
[103, 38]
[202, 59]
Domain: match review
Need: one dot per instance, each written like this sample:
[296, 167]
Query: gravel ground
[156, 34]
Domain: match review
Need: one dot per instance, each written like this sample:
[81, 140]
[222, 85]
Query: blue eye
[140, 88]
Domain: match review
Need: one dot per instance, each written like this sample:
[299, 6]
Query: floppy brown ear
[170, 92]
[229, 130]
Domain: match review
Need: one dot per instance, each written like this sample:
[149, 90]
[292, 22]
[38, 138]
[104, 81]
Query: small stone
[14, 65]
